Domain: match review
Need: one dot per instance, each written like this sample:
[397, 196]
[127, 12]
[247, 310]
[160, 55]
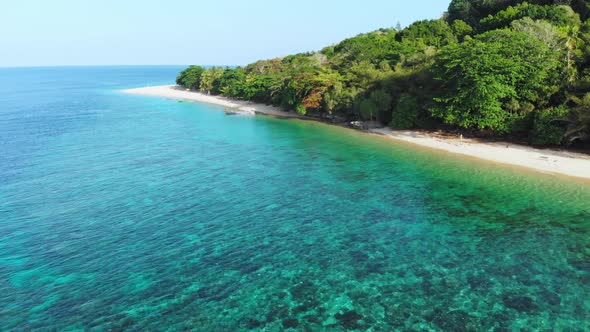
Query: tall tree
[485, 86]
[570, 41]
[209, 77]
[190, 77]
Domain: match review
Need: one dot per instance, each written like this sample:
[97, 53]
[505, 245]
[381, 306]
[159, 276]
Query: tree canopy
[495, 67]
[191, 77]
[485, 86]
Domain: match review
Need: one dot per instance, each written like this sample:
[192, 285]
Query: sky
[181, 32]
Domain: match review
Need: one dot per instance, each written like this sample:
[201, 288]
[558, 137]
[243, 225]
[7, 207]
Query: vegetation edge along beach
[512, 71]
[544, 160]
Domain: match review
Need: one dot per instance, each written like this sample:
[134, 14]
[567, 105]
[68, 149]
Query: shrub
[406, 112]
[300, 109]
[547, 129]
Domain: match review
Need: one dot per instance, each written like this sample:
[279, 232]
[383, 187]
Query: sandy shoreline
[548, 161]
[177, 93]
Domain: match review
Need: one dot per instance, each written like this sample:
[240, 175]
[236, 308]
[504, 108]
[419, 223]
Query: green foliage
[548, 126]
[460, 70]
[368, 109]
[435, 33]
[300, 109]
[484, 84]
[405, 113]
[209, 77]
[333, 97]
[462, 10]
[231, 83]
[472, 11]
[364, 75]
[373, 48]
[557, 15]
[255, 87]
[541, 30]
[578, 128]
[191, 77]
[461, 29]
[382, 101]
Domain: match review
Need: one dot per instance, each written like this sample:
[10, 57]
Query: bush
[300, 109]
[367, 109]
[406, 112]
[547, 129]
[382, 101]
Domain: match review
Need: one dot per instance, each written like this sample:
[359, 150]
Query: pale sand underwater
[543, 160]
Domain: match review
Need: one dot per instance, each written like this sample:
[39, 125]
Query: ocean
[122, 212]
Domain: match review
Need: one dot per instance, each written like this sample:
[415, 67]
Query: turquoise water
[122, 212]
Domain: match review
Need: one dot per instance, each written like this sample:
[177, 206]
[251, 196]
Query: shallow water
[121, 212]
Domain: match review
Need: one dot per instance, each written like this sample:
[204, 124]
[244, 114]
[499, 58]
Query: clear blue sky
[218, 32]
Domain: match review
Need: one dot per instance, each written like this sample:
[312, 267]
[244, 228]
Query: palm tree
[571, 39]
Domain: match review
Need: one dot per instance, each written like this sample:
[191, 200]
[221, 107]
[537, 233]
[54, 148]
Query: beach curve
[542, 160]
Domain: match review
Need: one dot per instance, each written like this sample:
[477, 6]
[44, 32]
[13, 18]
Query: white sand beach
[543, 160]
[178, 93]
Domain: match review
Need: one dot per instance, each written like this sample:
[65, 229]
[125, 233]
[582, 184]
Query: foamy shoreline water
[548, 161]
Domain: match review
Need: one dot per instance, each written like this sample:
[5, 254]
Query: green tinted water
[130, 213]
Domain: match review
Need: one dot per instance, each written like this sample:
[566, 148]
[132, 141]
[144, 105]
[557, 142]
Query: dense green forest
[503, 68]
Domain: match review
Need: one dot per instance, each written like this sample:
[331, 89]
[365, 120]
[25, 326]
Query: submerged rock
[251, 323]
[455, 320]
[303, 291]
[349, 319]
[479, 282]
[290, 323]
[312, 319]
[215, 293]
[519, 302]
[550, 297]
[277, 312]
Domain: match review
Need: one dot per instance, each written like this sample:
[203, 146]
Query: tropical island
[337, 190]
[502, 70]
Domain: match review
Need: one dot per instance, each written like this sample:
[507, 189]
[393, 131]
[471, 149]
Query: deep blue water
[121, 212]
